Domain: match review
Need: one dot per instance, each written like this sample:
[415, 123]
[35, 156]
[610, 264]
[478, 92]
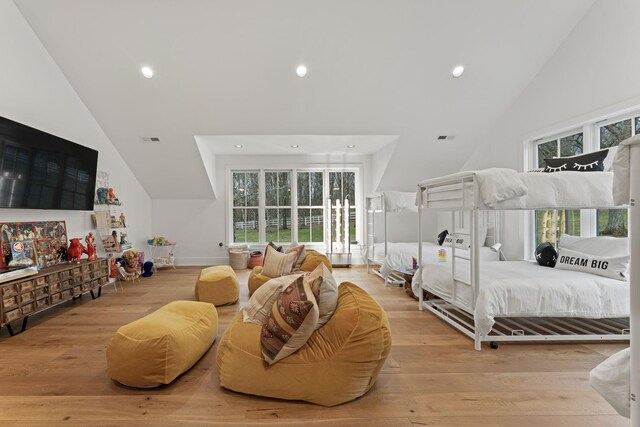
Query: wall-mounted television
[42, 171]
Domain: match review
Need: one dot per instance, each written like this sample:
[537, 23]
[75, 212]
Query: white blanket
[525, 289]
[568, 189]
[402, 253]
[612, 380]
[622, 171]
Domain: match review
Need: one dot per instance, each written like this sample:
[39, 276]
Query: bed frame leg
[478, 343]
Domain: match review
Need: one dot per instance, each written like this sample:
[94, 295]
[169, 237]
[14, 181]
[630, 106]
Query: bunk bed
[384, 257]
[519, 300]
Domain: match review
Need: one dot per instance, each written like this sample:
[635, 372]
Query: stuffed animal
[75, 250]
[101, 195]
[147, 268]
[131, 261]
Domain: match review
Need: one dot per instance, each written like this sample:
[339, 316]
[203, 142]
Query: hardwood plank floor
[55, 372]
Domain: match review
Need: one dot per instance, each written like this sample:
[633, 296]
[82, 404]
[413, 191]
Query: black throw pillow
[546, 255]
[442, 236]
[590, 162]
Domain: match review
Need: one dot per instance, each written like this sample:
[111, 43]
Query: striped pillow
[292, 321]
[259, 305]
[277, 264]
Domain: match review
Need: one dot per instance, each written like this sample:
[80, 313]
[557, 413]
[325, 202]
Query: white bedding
[525, 289]
[497, 190]
[402, 253]
[612, 379]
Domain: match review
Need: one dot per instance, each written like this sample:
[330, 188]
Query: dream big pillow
[613, 267]
[293, 318]
[600, 245]
[277, 264]
[463, 239]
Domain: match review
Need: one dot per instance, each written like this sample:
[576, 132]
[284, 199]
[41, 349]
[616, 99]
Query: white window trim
[358, 168]
[591, 142]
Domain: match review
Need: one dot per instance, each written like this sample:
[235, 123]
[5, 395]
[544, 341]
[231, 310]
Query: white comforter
[402, 253]
[499, 189]
[525, 289]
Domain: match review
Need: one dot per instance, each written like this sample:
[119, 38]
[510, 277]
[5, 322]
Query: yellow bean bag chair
[218, 285]
[339, 362]
[157, 348]
[311, 261]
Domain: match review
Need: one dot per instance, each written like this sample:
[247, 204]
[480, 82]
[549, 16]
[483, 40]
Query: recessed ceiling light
[147, 72]
[238, 146]
[457, 71]
[301, 71]
[351, 146]
[295, 146]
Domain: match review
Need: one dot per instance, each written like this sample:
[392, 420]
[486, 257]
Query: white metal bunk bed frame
[374, 204]
[505, 328]
[634, 281]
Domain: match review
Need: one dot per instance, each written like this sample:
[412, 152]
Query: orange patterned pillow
[293, 319]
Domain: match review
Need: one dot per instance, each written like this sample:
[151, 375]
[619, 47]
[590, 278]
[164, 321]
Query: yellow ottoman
[218, 285]
[157, 348]
[340, 361]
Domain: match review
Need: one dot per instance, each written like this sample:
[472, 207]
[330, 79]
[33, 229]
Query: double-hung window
[284, 205]
[588, 137]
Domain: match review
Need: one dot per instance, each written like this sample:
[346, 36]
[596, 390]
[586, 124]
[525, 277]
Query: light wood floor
[55, 373]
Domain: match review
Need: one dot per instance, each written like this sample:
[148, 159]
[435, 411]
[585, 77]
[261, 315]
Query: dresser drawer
[27, 286]
[9, 303]
[9, 290]
[11, 315]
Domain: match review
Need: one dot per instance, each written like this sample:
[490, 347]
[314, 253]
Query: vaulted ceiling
[227, 68]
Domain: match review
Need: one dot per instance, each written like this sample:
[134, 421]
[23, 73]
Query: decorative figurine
[131, 268]
[75, 250]
[123, 239]
[61, 254]
[111, 197]
[102, 194]
[116, 243]
[113, 272]
[123, 219]
[91, 247]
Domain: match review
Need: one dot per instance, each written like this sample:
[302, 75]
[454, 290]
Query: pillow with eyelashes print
[589, 162]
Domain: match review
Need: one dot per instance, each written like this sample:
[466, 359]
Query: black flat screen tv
[42, 171]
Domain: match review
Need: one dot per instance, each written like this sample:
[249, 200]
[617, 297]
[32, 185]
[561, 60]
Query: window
[545, 225]
[552, 223]
[614, 222]
[286, 205]
[311, 206]
[277, 206]
[245, 207]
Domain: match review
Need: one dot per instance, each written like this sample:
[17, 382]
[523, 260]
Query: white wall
[199, 226]
[34, 91]
[594, 72]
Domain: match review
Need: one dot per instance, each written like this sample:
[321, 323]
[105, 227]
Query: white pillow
[608, 161]
[277, 264]
[605, 246]
[325, 290]
[613, 267]
[611, 379]
[463, 239]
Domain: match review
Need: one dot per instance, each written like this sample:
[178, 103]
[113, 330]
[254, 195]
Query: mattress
[569, 190]
[525, 289]
[402, 253]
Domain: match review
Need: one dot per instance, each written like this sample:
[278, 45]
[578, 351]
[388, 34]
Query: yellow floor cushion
[311, 261]
[218, 285]
[339, 362]
[157, 348]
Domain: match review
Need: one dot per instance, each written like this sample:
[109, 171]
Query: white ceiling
[306, 144]
[226, 68]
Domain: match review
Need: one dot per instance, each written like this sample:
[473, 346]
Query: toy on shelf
[160, 241]
[113, 271]
[131, 264]
[75, 250]
[91, 247]
[123, 220]
[23, 254]
[48, 238]
[111, 197]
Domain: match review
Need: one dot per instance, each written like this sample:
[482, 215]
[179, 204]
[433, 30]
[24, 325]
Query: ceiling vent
[150, 139]
[442, 138]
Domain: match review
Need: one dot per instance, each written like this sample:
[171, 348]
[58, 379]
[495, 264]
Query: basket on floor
[238, 259]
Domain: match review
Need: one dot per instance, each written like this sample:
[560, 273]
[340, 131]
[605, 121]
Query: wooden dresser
[23, 297]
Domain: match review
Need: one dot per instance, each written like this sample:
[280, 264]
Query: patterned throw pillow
[590, 162]
[325, 291]
[259, 305]
[274, 246]
[293, 319]
[277, 264]
[299, 249]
